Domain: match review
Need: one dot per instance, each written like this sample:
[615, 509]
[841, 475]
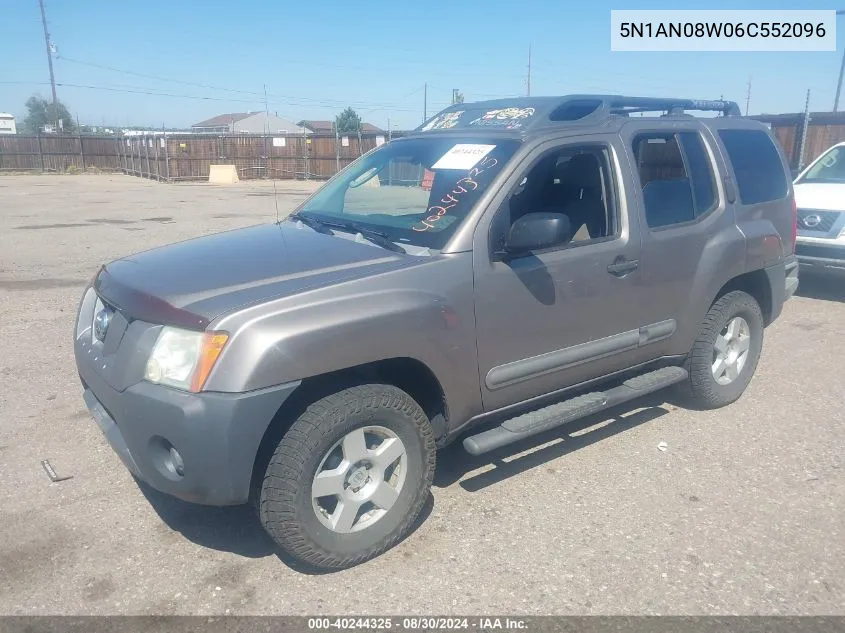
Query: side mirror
[536, 231]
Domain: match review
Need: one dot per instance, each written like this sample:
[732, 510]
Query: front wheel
[725, 354]
[350, 476]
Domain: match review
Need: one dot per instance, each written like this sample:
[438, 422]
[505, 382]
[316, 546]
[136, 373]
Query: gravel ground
[743, 513]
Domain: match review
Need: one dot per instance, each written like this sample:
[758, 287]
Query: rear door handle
[623, 267]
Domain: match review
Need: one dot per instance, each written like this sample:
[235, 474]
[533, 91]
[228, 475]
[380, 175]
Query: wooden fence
[176, 157]
[58, 153]
[825, 129]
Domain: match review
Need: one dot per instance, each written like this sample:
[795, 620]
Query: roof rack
[622, 105]
[524, 113]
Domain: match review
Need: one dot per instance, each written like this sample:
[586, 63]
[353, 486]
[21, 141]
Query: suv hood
[191, 283]
[820, 196]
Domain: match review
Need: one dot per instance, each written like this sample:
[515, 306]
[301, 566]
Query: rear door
[690, 243]
[764, 191]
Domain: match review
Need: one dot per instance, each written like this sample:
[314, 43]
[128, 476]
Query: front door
[557, 317]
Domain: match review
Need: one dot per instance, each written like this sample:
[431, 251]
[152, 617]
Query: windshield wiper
[312, 223]
[376, 237]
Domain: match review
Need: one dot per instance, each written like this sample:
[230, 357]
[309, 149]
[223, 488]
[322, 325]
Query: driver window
[573, 181]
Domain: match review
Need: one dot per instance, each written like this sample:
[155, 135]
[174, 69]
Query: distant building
[7, 123]
[246, 123]
[327, 127]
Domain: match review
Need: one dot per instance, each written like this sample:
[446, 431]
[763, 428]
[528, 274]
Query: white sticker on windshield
[463, 156]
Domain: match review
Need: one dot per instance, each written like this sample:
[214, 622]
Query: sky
[175, 63]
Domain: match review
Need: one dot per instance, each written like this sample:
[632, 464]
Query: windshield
[415, 191]
[829, 168]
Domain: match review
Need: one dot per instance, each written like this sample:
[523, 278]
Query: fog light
[167, 460]
[176, 461]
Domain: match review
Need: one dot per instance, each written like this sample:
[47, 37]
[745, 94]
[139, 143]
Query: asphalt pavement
[741, 514]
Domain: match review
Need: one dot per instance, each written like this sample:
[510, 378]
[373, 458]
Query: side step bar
[555, 415]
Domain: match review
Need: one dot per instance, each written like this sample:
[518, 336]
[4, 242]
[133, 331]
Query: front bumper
[200, 447]
[816, 257]
[215, 435]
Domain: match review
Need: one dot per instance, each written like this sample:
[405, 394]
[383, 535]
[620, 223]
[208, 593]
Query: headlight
[183, 359]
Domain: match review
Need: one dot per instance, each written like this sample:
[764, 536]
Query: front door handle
[622, 267]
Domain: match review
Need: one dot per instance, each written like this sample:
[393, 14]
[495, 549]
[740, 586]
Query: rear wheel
[725, 354]
[350, 476]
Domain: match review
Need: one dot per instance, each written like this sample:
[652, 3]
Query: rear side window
[700, 171]
[759, 171]
[676, 176]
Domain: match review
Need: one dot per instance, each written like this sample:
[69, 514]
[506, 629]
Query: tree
[347, 121]
[40, 112]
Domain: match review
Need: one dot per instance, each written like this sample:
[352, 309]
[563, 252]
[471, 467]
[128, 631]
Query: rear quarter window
[757, 165]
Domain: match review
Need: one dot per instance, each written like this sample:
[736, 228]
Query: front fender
[320, 334]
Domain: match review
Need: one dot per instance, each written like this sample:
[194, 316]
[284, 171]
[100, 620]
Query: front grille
[820, 221]
[819, 250]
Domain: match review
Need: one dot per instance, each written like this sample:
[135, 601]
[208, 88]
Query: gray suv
[507, 268]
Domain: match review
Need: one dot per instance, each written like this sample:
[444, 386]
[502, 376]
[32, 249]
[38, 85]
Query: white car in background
[820, 198]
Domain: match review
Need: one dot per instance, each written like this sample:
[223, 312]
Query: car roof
[522, 117]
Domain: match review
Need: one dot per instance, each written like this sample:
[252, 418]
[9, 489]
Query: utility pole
[841, 73]
[529, 70]
[50, 63]
[804, 128]
[425, 102]
[748, 97]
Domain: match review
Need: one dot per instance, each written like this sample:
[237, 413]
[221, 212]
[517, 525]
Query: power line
[126, 89]
[300, 100]
[156, 77]
[155, 93]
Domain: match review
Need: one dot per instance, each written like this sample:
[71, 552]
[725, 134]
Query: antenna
[748, 97]
[267, 153]
[529, 70]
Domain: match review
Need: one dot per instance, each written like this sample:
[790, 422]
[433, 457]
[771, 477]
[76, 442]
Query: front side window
[415, 191]
[574, 181]
[830, 168]
[676, 176]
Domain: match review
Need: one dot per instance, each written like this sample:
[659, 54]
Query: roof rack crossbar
[619, 105]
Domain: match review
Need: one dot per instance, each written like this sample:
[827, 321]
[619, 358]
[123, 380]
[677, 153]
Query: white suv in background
[820, 198]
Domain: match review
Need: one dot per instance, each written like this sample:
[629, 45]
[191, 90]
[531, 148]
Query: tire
[318, 531]
[703, 389]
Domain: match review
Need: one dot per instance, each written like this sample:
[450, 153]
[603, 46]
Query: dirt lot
[742, 514]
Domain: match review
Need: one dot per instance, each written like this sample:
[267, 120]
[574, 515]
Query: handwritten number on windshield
[451, 199]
